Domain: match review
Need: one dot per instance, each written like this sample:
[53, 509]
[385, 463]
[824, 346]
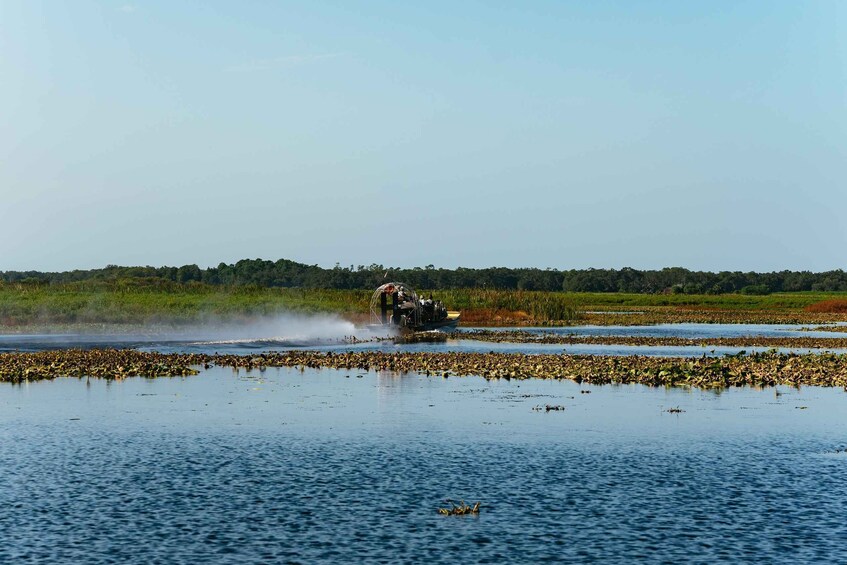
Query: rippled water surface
[350, 466]
[285, 338]
[325, 465]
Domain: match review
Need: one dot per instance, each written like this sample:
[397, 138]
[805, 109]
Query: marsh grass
[830, 306]
[133, 302]
[535, 305]
[176, 304]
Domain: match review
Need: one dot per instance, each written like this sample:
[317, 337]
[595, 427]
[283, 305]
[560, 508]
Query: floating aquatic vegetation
[549, 408]
[756, 369]
[460, 509]
[653, 341]
[100, 363]
[421, 337]
[838, 329]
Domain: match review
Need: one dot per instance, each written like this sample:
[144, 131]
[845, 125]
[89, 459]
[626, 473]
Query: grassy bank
[26, 306]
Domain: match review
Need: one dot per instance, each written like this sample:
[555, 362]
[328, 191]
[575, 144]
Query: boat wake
[259, 343]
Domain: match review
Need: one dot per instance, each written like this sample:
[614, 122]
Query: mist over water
[260, 332]
[282, 328]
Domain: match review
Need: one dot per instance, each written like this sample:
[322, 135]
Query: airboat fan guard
[397, 305]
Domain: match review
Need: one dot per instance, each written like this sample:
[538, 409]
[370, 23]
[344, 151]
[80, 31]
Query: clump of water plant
[770, 368]
[461, 509]
[756, 369]
[421, 337]
[109, 364]
[549, 408]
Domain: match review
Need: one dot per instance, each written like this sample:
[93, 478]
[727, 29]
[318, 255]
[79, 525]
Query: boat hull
[448, 324]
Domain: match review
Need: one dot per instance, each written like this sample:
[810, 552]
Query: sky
[561, 134]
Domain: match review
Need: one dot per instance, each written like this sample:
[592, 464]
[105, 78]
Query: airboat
[397, 305]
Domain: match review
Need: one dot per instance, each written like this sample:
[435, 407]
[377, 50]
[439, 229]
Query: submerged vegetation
[757, 369]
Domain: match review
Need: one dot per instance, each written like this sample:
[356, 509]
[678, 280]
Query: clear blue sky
[708, 135]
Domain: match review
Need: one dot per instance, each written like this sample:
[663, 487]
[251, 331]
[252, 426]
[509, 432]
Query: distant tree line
[290, 274]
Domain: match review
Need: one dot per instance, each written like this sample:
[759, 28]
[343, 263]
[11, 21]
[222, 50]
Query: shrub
[759, 289]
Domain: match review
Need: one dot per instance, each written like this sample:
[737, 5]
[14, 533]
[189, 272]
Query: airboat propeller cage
[395, 304]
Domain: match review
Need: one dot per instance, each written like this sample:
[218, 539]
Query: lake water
[283, 338]
[310, 466]
[325, 465]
